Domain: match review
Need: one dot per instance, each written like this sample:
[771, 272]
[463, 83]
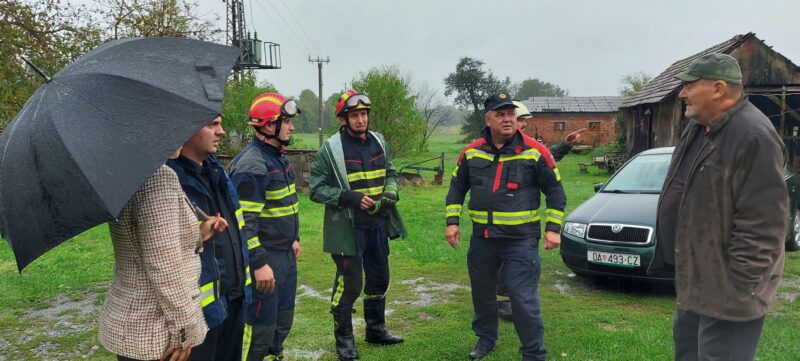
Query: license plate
[614, 259]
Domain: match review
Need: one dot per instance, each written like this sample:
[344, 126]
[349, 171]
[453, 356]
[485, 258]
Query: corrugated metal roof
[573, 104]
[665, 83]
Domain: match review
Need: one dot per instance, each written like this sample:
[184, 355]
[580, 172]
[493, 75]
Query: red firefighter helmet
[351, 100]
[269, 107]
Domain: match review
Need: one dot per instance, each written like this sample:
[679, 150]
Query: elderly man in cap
[505, 172]
[722, 216]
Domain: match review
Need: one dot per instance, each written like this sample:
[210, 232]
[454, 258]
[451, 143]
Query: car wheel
[793, 244]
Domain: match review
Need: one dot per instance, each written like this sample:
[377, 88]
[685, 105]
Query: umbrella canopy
[89, 138]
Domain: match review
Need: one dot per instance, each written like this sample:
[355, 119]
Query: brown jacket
[153, 303]
[729, 242]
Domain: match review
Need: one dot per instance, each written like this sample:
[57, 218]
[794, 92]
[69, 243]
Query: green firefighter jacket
[329, 180]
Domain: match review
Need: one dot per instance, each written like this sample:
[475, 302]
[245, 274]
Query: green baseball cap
[713, 66]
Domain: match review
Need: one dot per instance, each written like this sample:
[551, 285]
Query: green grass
[584, 320]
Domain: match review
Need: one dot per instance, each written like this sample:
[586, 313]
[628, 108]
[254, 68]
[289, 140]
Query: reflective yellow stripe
[506, 158]
[246, 340]
[473, 153]
[247, 281]
[357, 176]
[263, 99]
[455, 172]
[281, 211]
[249, 206]
[515, 218]
[452, 210]
[206, 294]
[481, 217]
[555, 216]
[370, 191]
[337, 296]
[558, 174]
[253, 243]
[240, 217]
[372, 297]
[280, 193]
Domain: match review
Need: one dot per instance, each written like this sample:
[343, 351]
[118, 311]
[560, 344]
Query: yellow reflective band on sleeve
[455, 172]
[280, 193]
[374, 191]
[248, 280]
[206, 294]
[558, 174]
[357, 176]
[337, 296]
[281, 211]
[481, 217]
[249, 206]
[247, 339]
[476, 153]
[515, 218]
[555, 216]
[253, 243]
[240, 217]
[452, 210]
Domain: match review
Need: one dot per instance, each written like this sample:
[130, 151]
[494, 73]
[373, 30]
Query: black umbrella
[89, 138]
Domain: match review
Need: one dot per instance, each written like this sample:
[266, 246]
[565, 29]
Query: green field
[49, 311]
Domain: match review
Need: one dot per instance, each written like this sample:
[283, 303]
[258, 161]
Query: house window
[594, 125]
[559, 126]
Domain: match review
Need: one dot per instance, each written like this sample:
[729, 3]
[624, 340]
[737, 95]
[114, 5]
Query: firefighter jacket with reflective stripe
[506, 186]
[265, 182]
[328, 181]
[212, 259]
[365, 164]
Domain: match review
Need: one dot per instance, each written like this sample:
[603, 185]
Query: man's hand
[176, 354]
[296, 248]
[367, 203]
[211, 226]
[574, 137]
[265, 279]
[452, 233]
[552, 240]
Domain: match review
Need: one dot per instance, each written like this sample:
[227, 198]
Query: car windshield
[643, 174]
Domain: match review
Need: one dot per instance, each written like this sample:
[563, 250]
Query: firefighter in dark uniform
[265, 182]
[354, 177]
[225, 283]
[505, 172]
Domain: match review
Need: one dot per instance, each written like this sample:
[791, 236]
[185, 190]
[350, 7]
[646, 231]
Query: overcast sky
[582, 46]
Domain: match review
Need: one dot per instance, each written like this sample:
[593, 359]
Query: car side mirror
[597, 186]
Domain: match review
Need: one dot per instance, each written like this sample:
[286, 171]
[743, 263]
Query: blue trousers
[521, 269]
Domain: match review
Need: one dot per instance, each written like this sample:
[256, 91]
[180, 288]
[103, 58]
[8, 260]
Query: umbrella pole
[37, 70]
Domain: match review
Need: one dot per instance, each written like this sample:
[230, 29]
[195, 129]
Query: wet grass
[428, 298]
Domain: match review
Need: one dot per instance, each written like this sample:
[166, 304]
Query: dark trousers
[703, 338]
[223, 342]
[372, 259]
[520, 261]
[273, 312]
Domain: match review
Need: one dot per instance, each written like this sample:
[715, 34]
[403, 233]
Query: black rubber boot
[343, 332]
[374, 315]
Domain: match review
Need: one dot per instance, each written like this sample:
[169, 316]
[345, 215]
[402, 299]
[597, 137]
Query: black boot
[376, 323]
[343, 332]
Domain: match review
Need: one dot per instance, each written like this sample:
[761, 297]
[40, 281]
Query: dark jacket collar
[717, 124]
[269, 148]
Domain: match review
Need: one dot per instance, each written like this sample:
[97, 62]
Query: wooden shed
[654, 116]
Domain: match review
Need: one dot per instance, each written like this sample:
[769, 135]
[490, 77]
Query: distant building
[555, 117]
[654, 116]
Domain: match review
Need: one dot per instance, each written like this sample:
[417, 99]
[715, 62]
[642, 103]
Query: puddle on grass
[300, 354]
[428, 292]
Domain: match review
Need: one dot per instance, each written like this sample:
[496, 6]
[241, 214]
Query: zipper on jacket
[498, 173]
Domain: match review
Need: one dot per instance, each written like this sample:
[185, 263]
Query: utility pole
[319, 62]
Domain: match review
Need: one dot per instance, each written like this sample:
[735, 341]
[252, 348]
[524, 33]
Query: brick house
[555, 117]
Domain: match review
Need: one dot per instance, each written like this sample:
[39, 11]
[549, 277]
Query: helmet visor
[353, 101]
[289, 108]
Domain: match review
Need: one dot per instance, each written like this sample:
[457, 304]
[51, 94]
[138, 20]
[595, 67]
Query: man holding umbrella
[225, 276]
[264, 180]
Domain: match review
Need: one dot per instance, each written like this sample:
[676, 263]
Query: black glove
[351, 198]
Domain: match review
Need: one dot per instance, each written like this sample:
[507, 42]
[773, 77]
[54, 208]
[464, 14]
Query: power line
[288, 25]
[300, 25]
[274, 21]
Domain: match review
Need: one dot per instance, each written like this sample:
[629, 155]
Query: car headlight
[575, 229]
